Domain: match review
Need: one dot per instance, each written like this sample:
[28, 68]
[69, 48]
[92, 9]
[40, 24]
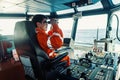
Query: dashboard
[93, 68]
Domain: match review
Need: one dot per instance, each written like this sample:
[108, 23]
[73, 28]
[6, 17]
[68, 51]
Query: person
[49, 41]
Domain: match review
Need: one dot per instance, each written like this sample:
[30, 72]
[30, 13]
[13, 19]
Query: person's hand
[53, 21]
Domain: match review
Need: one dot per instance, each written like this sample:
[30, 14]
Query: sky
[89, 22]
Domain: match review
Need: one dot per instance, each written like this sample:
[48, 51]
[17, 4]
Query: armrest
[52, 63]
[58, 58]
[63, 50]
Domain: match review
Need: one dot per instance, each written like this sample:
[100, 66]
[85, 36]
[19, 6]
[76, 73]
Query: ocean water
[87, 36]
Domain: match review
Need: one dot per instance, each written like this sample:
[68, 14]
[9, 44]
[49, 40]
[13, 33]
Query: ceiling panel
[22, 6]
[11, 6]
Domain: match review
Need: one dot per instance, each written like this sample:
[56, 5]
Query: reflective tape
[57, 34]
[50, 54]
[49, 42]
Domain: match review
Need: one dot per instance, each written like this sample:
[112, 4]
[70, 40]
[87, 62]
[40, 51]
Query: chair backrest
[26, 44]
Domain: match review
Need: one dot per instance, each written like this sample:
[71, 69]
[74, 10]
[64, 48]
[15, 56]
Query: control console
[74, 71]
[92, 68]
[100, 73]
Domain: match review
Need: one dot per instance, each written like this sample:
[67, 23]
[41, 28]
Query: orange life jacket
[51, 41]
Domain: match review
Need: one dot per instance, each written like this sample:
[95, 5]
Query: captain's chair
[35, 61]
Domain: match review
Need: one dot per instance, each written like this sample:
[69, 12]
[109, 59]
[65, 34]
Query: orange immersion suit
[51, 41]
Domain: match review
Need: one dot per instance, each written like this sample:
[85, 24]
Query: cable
[117, 25]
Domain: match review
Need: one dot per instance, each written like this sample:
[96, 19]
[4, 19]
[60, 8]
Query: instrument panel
[92, 68]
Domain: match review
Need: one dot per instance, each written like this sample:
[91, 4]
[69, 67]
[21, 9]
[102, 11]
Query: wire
[117, 29]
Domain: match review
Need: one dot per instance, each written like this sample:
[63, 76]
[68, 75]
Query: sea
[86, 37]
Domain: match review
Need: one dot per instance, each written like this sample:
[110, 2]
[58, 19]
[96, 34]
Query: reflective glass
[97, 5]
[116, 2]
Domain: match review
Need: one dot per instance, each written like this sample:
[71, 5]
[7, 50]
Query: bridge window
[7, 26]
[90, 28]
[114, 24]
[66, 26]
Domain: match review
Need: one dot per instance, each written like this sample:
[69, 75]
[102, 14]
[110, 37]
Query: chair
[35, 61]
